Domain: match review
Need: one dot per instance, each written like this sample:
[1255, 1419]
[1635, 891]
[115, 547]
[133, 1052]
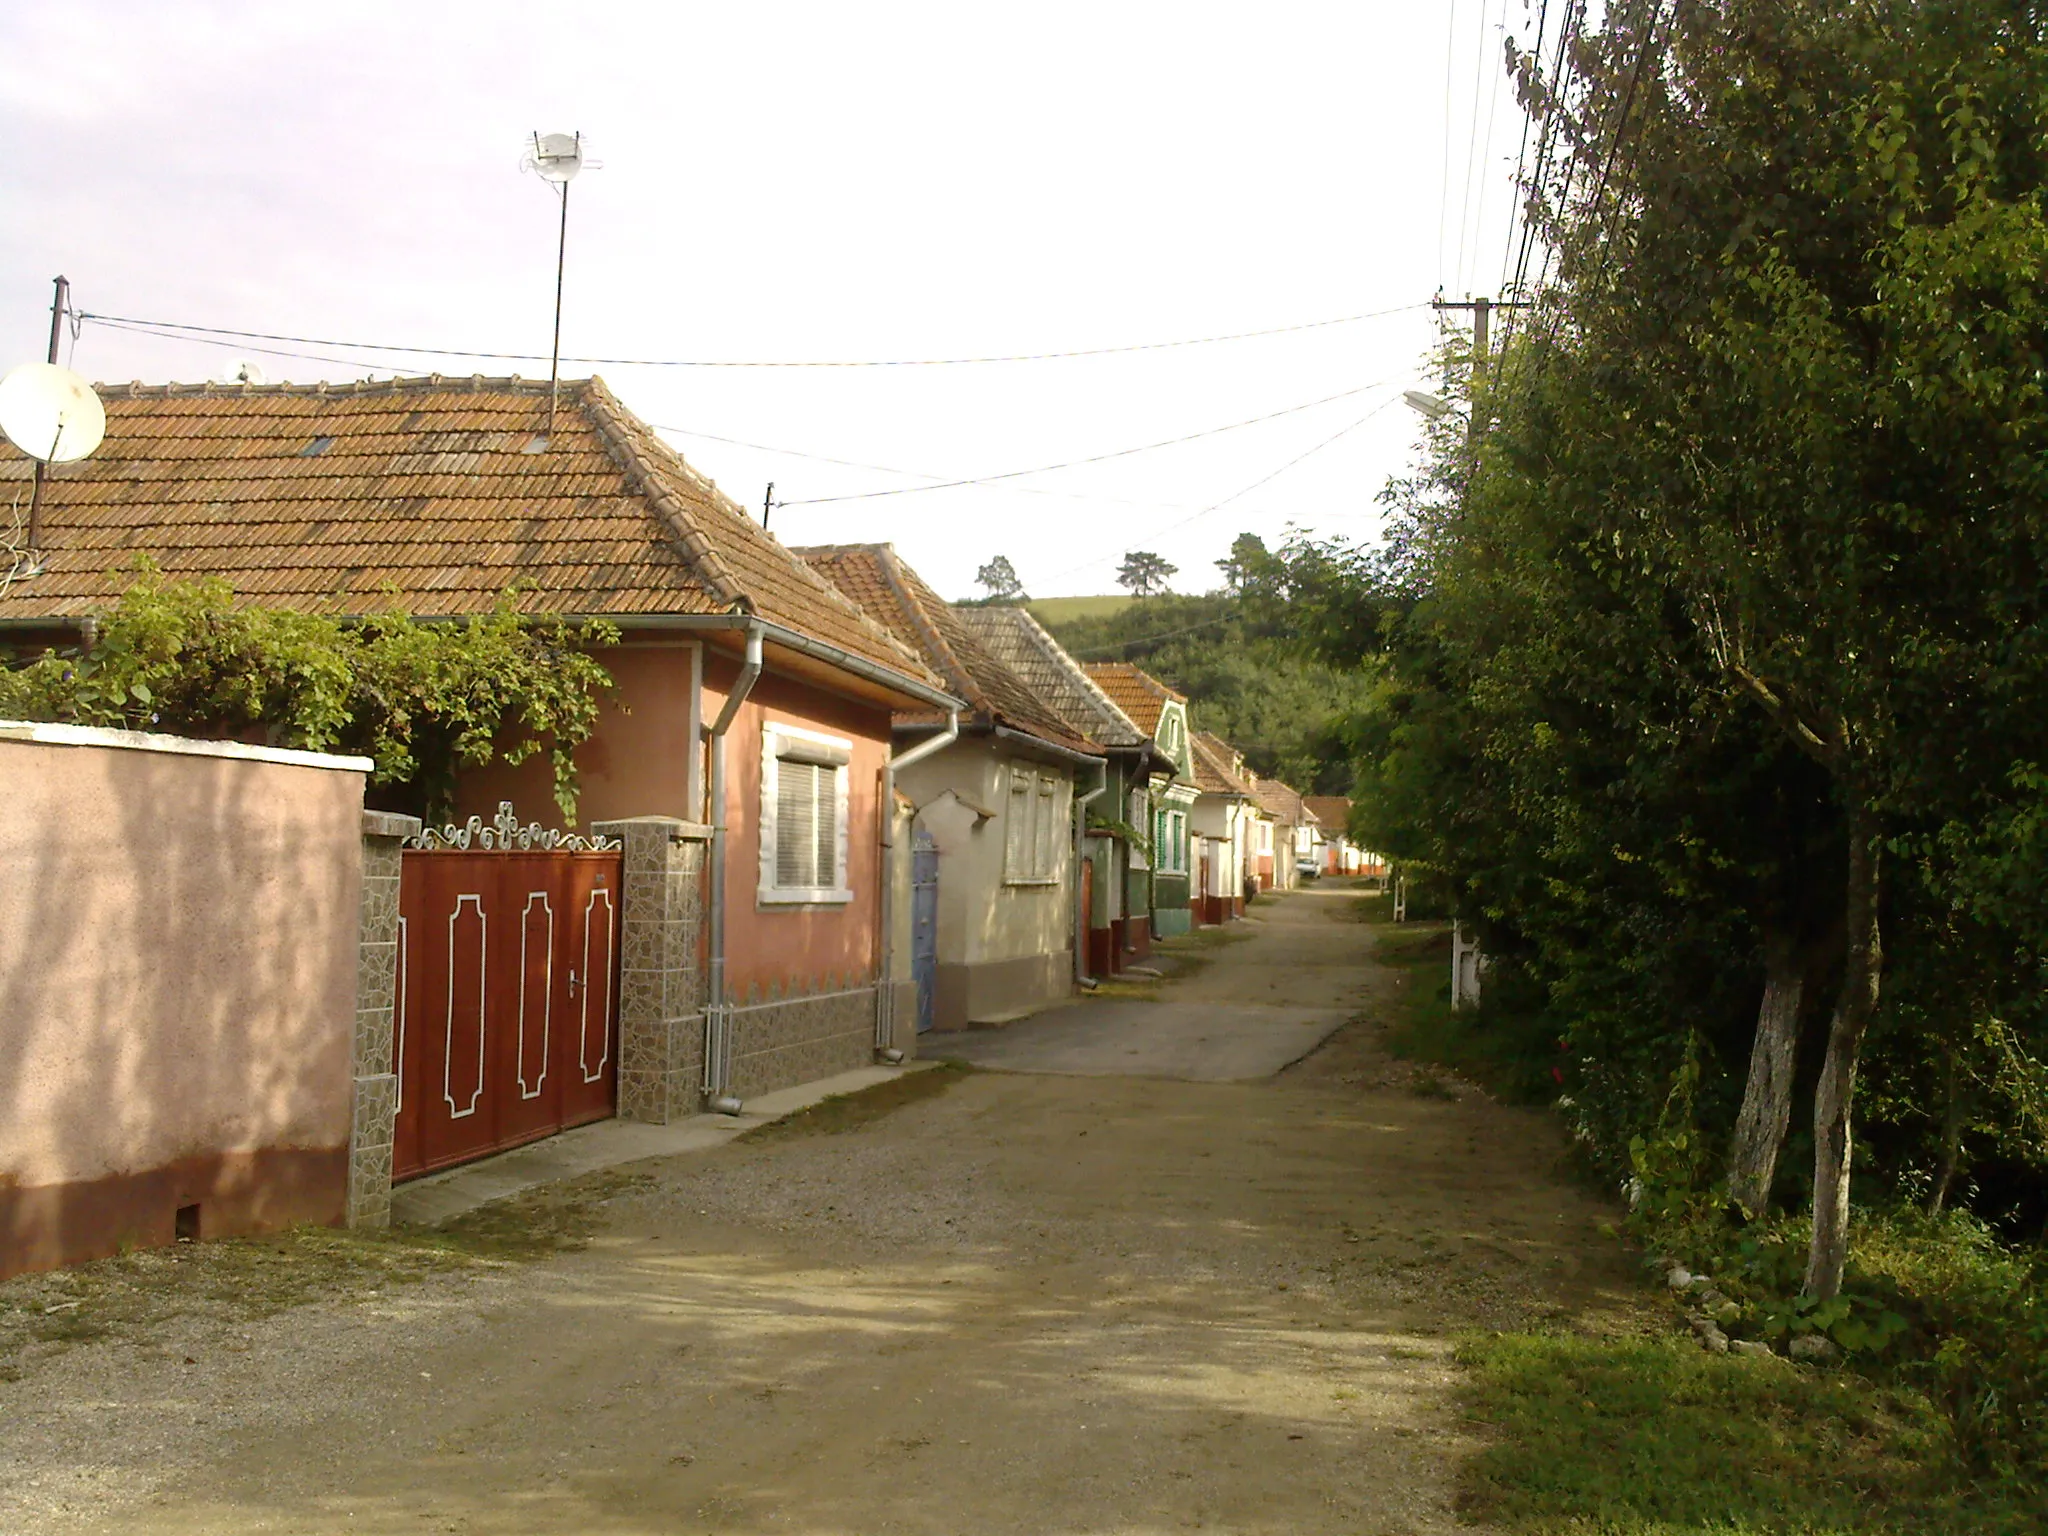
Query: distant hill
[1051, 611]
[1243, 678]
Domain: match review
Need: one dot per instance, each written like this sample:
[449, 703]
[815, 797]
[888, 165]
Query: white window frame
[835, 752]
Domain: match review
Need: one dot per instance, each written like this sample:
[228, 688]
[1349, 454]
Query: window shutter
[825, 840]
[796, 822]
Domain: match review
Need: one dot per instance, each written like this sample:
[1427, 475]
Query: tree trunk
[1767, 1100]
[1951, 1135]
[1834, 1096]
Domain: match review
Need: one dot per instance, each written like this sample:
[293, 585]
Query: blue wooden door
[924, 926]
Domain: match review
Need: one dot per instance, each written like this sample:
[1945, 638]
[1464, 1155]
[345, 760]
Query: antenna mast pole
[555, 359]
[58, 308]
[767, 505]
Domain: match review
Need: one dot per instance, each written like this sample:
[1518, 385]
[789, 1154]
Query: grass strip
[1655, 1437]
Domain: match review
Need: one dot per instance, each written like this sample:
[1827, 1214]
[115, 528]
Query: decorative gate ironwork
[506, 1018]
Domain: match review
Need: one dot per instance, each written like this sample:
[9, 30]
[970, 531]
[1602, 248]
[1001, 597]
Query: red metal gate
[506, 1019]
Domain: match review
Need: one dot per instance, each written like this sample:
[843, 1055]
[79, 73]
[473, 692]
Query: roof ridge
[1044, 639]
[609, 416]
[892, 570]
[135, 389]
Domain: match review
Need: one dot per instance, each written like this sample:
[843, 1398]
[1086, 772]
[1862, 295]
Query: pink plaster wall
[635, 763]
[800, 946]
[178, 951]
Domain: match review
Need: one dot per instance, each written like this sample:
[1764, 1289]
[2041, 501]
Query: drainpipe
[1081, 804]
[885, 996]
[717, 1024]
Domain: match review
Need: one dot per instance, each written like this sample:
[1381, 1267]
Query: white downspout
[885, 995]
[717, 1022]
[1081, 804]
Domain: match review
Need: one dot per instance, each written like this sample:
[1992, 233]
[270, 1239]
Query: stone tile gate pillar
[375, 1100]
[661, 1027]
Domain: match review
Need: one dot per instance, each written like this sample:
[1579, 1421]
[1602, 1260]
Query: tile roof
[1134, 691]
[1023, 645]
[1283, 804]
[897, 598]
[1333, 811]
[433, 495]
[1218, 768]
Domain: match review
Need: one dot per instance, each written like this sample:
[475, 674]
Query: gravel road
[1028, 1303]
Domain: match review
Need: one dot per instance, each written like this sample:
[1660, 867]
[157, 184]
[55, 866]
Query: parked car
[1307, 869]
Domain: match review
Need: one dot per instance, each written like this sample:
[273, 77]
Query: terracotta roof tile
[1218, 768]
[1332, 811]
[1136, 692]
[1022, 644]
[896, 597]
[323, 497]
[1283, 804]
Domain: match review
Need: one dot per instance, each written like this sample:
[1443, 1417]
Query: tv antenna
[50, 414]
[557, 159]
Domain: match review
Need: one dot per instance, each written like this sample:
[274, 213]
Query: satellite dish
[242, 371]
[556, 157]
[50, 413]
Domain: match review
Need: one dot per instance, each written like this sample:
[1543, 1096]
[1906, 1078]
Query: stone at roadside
[1755, 1348]
[1726, 1312]
[1678, 1277]
[1812, 1346]
[1711, 1338]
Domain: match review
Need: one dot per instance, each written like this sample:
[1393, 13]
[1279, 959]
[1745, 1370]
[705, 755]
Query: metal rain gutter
[717, 1013]
[885, 992]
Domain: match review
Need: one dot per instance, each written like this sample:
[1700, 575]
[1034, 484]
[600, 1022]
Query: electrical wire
[916, 474]
[1098, 458]
[1459, 271]
[1507, 254]
[1443, 197]
[1486, 156]
[1246, 490]
[178, 329]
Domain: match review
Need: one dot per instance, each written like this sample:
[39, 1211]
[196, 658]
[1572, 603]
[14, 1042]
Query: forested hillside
[1234, 655]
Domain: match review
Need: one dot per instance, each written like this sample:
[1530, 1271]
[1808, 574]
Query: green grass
[1064, 610]
[1502, 1052]
[1655, 1437]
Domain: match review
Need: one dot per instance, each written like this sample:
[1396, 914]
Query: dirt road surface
[1029, 1303]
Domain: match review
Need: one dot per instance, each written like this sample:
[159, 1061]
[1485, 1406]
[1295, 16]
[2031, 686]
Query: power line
[1098, 458]
[913, 474]
[1243, 491]
[1486, 157]
[181, 330]
[1471, 143]
[1443, 200]
[1521, 161]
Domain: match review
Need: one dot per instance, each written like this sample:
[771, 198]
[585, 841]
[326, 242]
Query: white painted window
[1034, 826]
[803, 816]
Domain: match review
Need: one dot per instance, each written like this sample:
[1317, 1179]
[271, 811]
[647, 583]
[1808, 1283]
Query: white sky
[799, 182]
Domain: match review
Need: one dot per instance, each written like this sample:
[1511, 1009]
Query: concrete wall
[178, 966]
[1004, 949]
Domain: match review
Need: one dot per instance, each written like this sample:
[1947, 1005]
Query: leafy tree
[1813, 333]
[423, 701]
[1146, 574]
[1249, 569]
[1000, 580]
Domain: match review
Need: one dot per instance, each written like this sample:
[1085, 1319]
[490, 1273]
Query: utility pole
[58, 309]
[1482, 312]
